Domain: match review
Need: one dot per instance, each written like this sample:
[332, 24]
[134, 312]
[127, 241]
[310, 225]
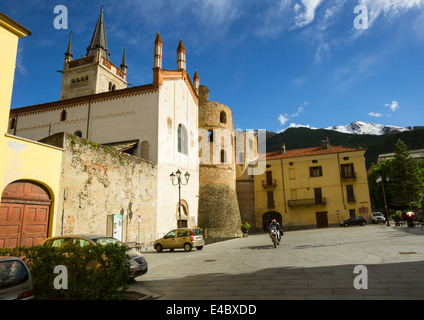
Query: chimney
[283, 148]
[326, 143]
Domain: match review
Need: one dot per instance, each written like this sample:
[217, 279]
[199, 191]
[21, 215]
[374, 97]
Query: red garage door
[24, 214]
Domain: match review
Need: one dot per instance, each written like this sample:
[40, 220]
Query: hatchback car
[184, 238]
[15, 279]
[354, 221]
[378, 217]
[138, 265]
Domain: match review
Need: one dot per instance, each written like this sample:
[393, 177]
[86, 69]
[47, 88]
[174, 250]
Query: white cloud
[376, 115]
[305, 13]
[283, 119]
[393, 106]
[389, 7]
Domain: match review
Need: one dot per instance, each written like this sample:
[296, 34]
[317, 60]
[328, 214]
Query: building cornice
[69, 103]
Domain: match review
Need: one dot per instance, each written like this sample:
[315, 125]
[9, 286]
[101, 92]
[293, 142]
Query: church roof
[98, 40]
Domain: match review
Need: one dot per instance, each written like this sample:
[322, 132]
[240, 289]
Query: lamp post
[378, 180]
[178, 183]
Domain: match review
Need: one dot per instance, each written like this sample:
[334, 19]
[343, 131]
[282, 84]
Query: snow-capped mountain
[360, 127]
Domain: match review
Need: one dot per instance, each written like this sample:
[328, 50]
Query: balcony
[306, 202]
[348, 176]
[266, 184]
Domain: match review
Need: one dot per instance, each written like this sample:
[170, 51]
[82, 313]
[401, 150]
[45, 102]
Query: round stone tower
[219, 212]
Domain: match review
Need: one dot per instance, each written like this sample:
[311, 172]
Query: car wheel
[199, 247]
[159, 248]
[346, 225]
[187, 247]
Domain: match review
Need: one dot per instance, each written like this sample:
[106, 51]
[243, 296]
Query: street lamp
[179, 183]
[378, 180]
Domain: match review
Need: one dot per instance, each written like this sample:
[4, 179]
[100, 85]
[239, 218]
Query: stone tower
[94, 73]
[218, 211]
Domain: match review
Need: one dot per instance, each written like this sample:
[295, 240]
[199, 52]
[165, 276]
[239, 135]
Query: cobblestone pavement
[308, 264]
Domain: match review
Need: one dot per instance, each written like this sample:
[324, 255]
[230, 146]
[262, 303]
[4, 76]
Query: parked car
[354, 221]
[15, 279]
[378, 217]
[185, 238]
[138, 264]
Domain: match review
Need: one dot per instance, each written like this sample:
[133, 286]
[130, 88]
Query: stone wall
[97, 182]
[219, 213]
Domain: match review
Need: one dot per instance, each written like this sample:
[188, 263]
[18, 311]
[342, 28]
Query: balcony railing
[347, 176]
[269, 183]
[307, 202]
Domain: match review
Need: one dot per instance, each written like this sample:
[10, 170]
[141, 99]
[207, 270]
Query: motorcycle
[275, 236]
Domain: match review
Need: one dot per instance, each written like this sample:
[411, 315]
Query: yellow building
[29, 171]
[312, 187]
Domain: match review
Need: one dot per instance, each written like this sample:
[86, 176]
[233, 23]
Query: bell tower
[94, 73]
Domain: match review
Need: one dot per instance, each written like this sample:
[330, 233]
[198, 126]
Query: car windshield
[12, 272]
[197, 232]
[377, 214]
[106, 241]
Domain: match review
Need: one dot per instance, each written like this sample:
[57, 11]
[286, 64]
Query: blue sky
[276, 63]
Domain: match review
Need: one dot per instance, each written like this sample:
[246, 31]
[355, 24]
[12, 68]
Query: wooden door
[322, 219]
[24, 214]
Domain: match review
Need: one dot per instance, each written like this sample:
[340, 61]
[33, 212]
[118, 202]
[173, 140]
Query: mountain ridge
[302, 137]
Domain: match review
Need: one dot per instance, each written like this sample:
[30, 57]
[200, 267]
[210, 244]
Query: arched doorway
[268, 216]
[184, 215]
[24, 214]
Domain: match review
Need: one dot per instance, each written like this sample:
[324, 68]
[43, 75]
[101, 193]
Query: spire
[98, 39]
[196, 81]
[158, 51]
[68, 53]
[124, 61]
[181, 60]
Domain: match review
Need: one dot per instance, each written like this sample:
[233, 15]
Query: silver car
[378, 217]
[15, 280]
[138, 265]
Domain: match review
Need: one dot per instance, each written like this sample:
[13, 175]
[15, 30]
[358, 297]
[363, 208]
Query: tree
[380, 170]
[405, 184]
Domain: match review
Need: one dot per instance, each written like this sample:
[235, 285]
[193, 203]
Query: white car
[15, 280]
[378, 217]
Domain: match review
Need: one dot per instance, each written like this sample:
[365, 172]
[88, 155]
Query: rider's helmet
[273, 220]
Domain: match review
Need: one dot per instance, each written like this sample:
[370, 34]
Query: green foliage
[94, 272]
[405, 185]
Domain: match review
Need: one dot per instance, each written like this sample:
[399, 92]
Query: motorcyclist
[277, 226]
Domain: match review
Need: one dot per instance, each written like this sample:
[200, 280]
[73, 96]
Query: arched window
[12, 123]
[210, 133]
[63, 115]
[182, 139]
[78, 134]
[223, 117]
[223, 156]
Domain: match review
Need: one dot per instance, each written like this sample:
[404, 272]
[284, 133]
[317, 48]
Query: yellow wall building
[29, 171]
[312, 187]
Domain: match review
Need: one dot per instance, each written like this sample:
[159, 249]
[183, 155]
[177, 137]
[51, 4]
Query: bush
[94, 272]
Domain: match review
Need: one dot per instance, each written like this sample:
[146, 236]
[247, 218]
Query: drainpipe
[88, 117]
[341, 180]
[284, 189]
